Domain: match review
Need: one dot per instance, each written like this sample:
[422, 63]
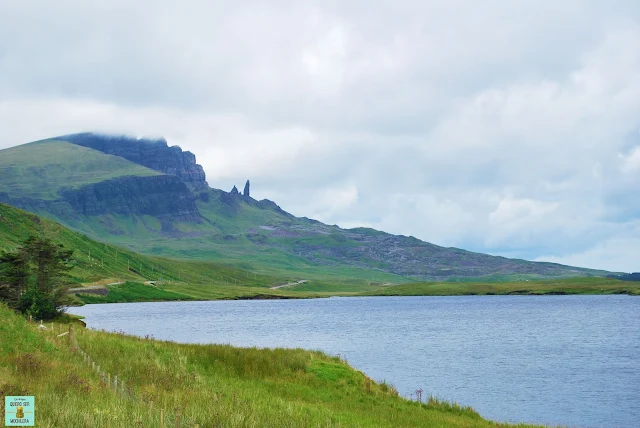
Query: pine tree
[35, 277]
[13, 277]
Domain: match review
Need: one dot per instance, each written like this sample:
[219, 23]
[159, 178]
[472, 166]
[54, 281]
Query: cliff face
[163, 196]
[154, 154]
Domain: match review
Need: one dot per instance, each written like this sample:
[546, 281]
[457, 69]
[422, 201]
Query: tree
[35, 277]
[13, 278]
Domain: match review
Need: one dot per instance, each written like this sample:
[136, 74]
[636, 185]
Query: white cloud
[631, 162]
[618, 253]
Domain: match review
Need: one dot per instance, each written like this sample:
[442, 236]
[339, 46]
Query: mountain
[155, 199]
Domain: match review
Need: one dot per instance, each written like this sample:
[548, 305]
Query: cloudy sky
[507, 127]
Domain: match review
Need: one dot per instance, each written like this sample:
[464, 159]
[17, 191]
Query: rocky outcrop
[245, 193]
[162, 196]
[154, 154]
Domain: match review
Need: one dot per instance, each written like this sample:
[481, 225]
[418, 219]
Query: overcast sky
[506, 127]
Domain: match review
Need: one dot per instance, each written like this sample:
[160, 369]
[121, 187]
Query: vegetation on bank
[130, 292]
[208, 385]
[542, 287]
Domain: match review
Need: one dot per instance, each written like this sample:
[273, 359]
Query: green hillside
[97, 264]
[40, 169]
[107, 273]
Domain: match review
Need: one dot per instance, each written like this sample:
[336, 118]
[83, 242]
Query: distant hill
[154, 199]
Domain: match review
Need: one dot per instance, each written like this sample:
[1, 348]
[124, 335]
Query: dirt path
[92, 288]
[302, 281]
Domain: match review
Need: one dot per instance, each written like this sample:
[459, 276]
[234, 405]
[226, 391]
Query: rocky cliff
[154, 154]
[160, 196]
[164, 197]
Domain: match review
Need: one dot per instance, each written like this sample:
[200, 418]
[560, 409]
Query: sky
[505, 127]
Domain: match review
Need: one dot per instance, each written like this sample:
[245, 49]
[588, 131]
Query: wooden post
[123, 388]
[161, 418]
[115, 383]
[178, 420]
[108, 380]
[150, 408]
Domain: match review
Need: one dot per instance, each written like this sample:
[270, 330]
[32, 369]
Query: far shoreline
[129, 292]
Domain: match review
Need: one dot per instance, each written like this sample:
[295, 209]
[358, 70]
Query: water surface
[558, 360]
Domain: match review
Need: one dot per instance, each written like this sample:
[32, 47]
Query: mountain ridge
[197, 221]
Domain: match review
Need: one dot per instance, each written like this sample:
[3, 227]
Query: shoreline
[633, 289]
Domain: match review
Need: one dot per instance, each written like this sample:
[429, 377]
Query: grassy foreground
[204, 385]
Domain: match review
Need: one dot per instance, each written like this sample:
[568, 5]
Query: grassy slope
[209, 385]
[39, 169]
[98, 262]
[559, 286]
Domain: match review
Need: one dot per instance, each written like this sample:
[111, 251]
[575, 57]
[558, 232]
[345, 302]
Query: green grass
[558, 286]
[136, 292]
[209, 385]
[40, 169]
[133, 292]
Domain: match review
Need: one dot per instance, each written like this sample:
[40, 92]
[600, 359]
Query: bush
[39, 305]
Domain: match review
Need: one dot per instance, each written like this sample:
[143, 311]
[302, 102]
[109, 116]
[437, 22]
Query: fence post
[115, 383]
[161, 418]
